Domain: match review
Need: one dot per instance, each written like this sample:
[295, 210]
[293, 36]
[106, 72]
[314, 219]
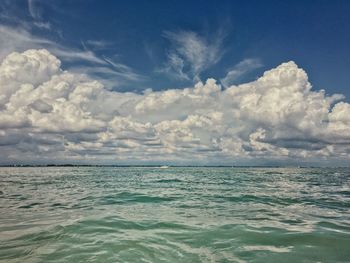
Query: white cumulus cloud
[50, 115]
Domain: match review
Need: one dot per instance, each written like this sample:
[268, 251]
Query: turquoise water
[104, 214]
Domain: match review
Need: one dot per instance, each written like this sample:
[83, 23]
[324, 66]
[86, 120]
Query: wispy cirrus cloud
[20, 33]
[98, 44]
[36, 14]
[33, 9]
[243, 67]
[14, 38]
[190, 54]
[43, 25]
[17, 38]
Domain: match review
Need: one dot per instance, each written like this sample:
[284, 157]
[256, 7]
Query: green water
[174, 215]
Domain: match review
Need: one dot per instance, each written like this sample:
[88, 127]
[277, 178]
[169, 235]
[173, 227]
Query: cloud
[23, 33]
[239, 70]
[36, 14]
[110, 73]
[33, 10]
[191, 54]
[51, 115]
[20, 39]
[99, 44]
[43, 25]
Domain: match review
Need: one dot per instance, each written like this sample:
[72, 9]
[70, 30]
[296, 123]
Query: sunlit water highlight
[104, 214]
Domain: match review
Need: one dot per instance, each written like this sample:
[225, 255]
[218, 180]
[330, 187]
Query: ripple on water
[107, 214]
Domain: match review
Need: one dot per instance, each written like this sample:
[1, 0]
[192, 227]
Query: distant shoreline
[160, 165]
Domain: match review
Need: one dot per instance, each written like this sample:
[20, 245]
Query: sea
[174, 214]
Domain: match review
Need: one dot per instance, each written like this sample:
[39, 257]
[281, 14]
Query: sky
[175, 82]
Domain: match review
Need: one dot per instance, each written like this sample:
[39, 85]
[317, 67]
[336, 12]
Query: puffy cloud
[50, 115]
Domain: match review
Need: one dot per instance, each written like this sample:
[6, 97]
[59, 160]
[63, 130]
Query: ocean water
[105, 214]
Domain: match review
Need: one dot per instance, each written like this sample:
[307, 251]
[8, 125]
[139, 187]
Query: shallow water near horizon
[135, 214]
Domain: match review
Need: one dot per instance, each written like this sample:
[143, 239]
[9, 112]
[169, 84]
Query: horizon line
[166, 166]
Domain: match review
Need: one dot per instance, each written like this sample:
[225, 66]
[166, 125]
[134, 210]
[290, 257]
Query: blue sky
[175, 82]
[314, 34]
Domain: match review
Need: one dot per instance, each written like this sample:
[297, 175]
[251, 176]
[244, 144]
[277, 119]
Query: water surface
[105, 214]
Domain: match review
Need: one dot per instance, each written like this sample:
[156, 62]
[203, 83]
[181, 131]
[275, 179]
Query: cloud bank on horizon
[49, 115]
